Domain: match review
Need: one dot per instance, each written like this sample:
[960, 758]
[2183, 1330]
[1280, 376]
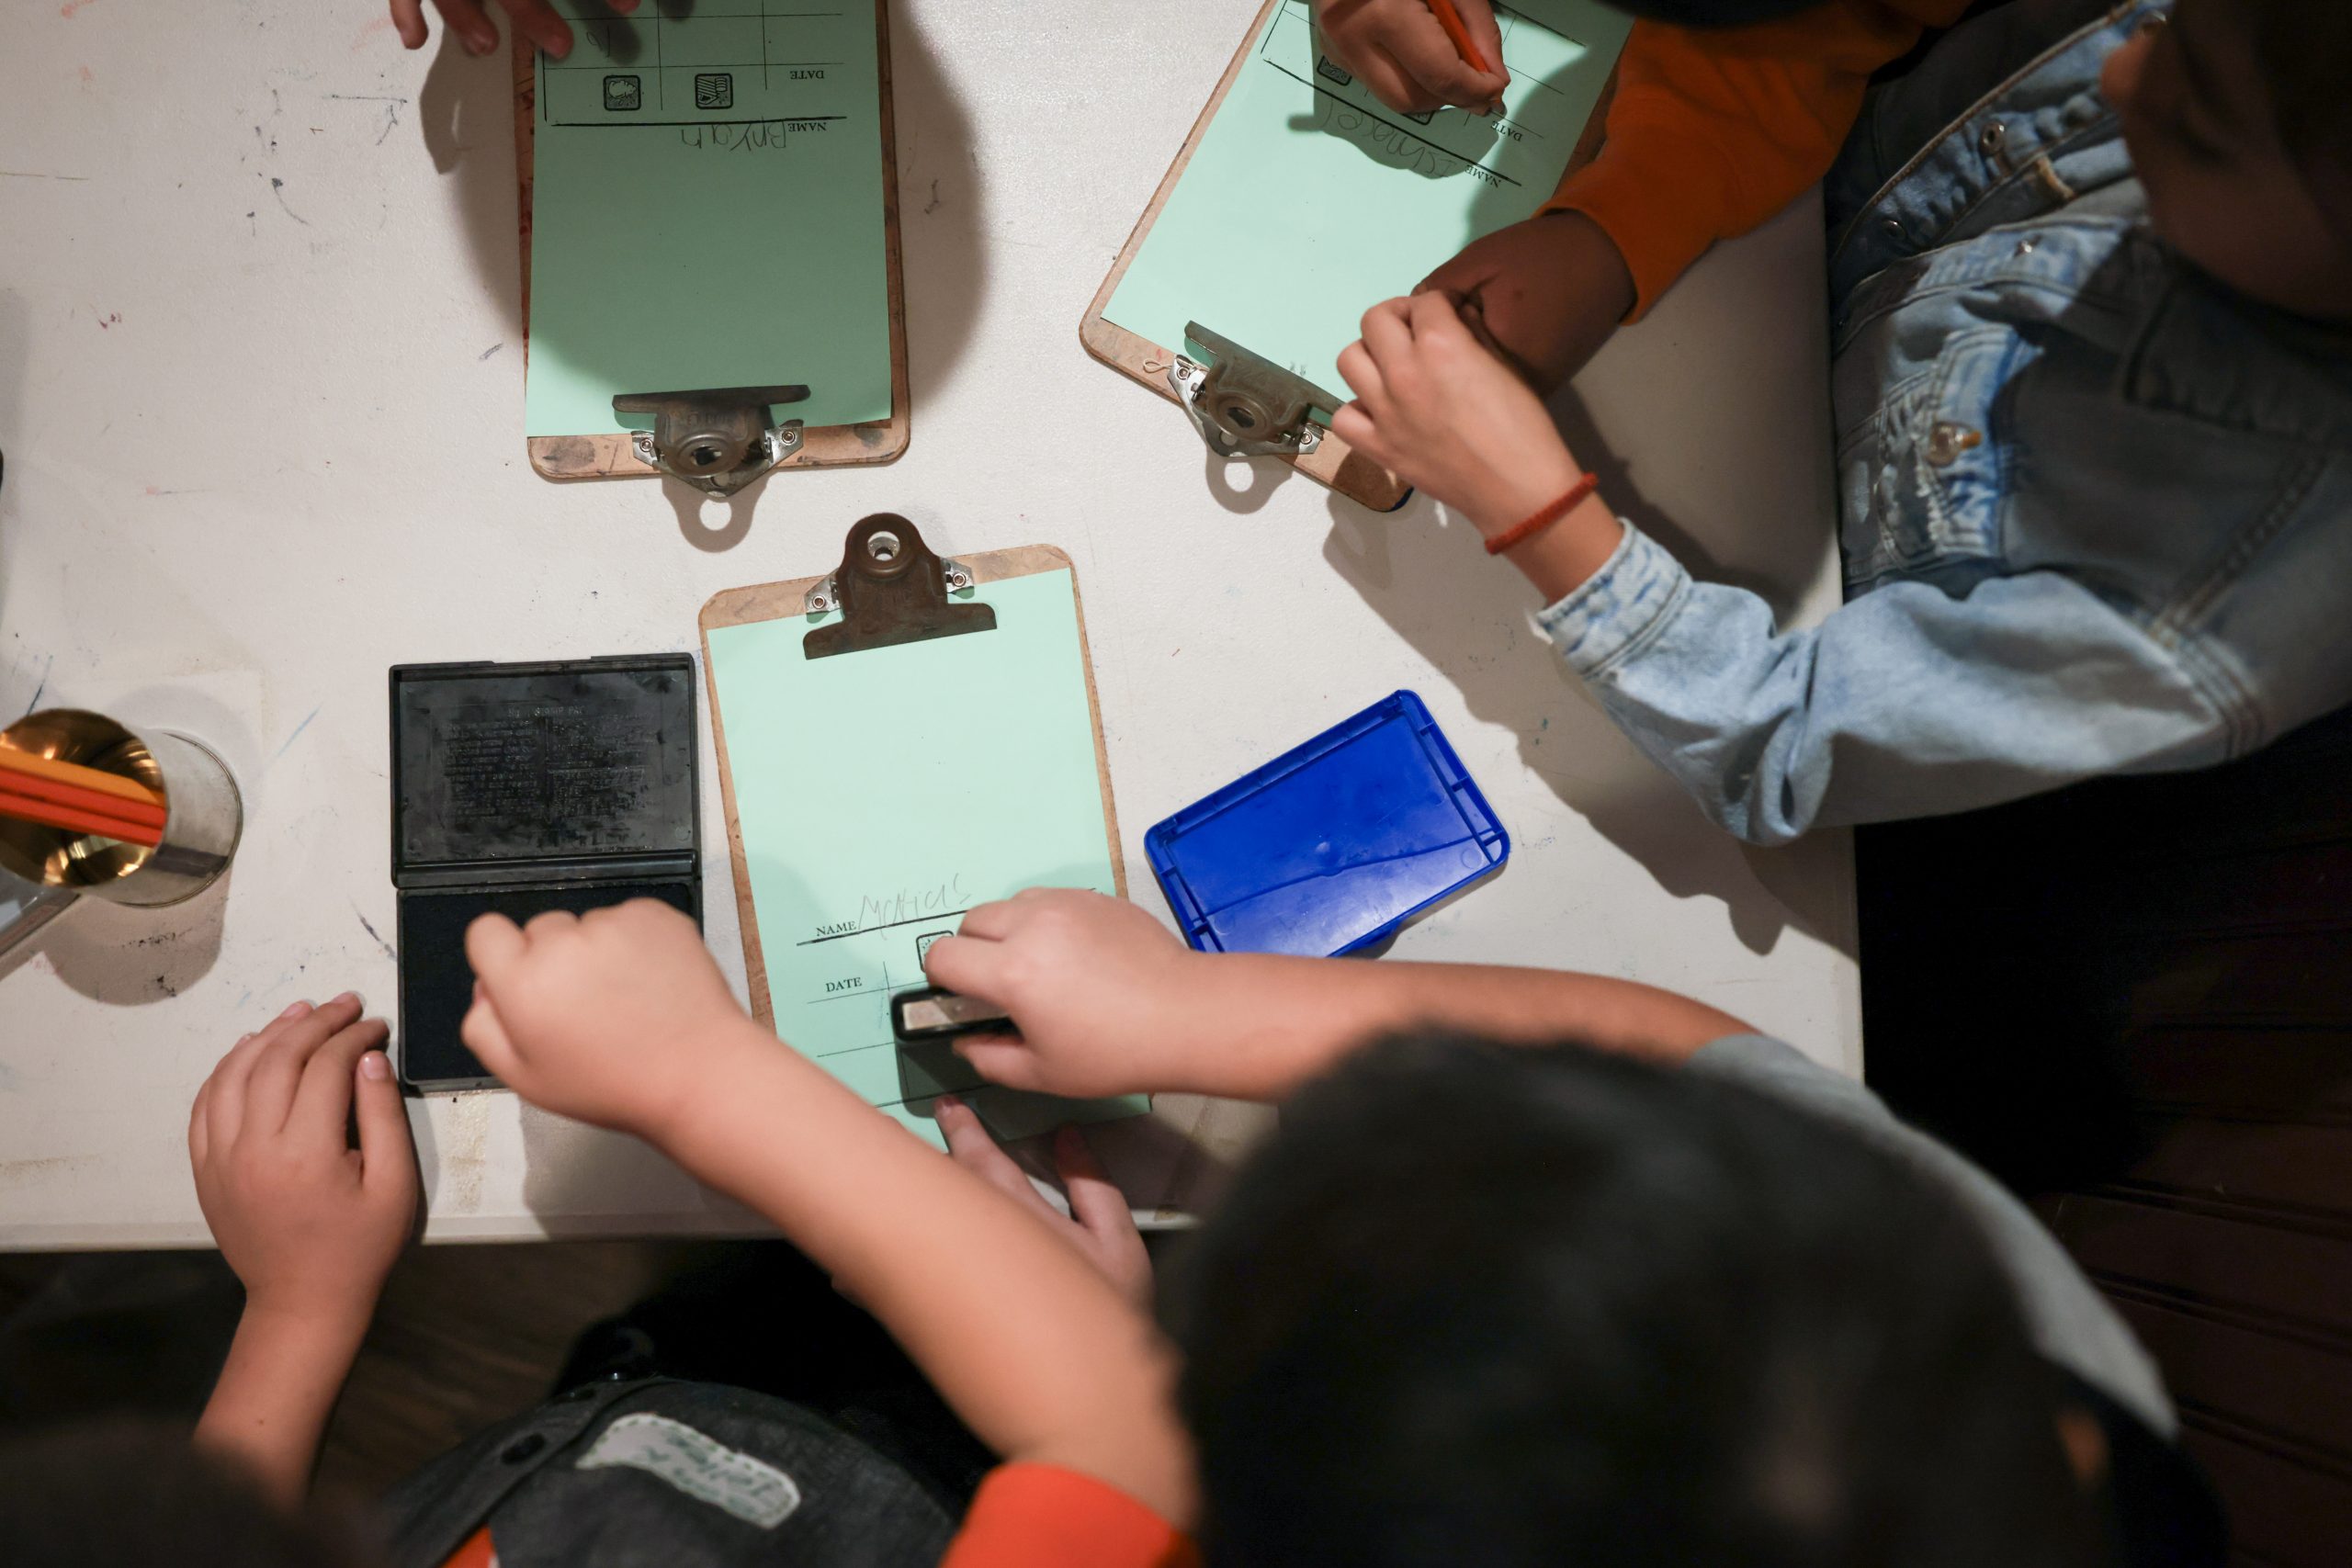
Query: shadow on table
[1427, 577]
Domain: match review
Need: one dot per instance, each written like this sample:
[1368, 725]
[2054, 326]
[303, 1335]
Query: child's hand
[1094, 983]
[614, 1017]
[1446, 416]
[1404, 56]
[1098, 1223]
[310, 1225]
[534, 19]
[1550, 291]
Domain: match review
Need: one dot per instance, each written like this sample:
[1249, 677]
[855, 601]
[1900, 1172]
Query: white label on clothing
[705, 1469]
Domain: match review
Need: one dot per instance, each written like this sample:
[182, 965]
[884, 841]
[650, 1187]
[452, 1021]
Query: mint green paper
[707, 211]
[882, 794]
[1306, 200]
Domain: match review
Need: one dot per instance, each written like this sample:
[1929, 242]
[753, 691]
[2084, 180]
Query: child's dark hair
[1490, 1307]
[117, 1493]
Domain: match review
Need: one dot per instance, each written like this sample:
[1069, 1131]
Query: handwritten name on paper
[899, 907]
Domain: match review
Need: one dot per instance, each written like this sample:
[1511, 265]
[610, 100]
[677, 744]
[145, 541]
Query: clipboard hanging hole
[891, 587]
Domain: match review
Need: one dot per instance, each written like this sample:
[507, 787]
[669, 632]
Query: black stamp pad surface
[520, 789]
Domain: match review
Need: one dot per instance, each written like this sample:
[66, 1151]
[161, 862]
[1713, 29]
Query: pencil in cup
[33, 765]
[46, 814]
[43, 790]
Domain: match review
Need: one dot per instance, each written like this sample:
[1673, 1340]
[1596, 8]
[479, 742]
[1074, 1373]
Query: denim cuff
[1617, 607]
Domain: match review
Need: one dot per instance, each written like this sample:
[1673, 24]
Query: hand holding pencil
[1418, 55]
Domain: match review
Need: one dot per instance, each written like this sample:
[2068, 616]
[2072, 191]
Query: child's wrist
[1179, 1058]
[290, 1330]
[1525, 492]
[730, 1053]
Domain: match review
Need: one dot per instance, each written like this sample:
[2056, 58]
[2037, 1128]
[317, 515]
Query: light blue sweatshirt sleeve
[1909, 702]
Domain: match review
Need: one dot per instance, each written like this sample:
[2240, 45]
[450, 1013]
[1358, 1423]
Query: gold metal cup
[203, 820]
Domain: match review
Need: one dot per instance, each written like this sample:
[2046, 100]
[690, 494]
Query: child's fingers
[1479, 17]
[465, 18]
[277, 1072]
[1429, 57]
[408, 20]
[493, 943]
[1388, 336]
[970, 1145]
[486, 1036]
[536, 20]
[1390, 81]
[224, 1096]
[1433, 315]
[1000, 1058]
[1363, 377]
[322, 1103]
[964, 963]
[1355, 427]
[386, 1159]
[991, 921]
[199, 1140]
[1095, 1201]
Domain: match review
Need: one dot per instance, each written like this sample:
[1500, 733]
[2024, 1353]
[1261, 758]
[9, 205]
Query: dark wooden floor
[465, 1335]
[2132, 1001]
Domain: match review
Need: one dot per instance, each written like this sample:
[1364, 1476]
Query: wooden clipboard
[610, 455]
[1333, 462]
[1166, 1162]
[783, 601]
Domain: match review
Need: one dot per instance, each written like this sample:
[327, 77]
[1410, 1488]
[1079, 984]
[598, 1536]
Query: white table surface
[260, 394]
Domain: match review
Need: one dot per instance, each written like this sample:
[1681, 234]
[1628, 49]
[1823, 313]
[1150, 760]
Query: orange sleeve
[1041, 1515]
[1711, 133]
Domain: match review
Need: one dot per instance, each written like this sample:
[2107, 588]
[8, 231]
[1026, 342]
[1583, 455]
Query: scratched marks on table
[369, 926]
[392, 106]
[41, 685]
[296, 735]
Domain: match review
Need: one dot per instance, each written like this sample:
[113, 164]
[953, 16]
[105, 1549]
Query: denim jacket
[2096, 511]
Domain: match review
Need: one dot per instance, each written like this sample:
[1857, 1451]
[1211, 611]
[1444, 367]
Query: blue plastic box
[1332, 846]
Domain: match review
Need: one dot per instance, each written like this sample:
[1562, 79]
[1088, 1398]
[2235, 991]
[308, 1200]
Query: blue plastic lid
[1332, 846]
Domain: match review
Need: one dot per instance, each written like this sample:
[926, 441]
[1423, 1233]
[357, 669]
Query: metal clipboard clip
[716, 441]
[891, 587]
[1245, 405]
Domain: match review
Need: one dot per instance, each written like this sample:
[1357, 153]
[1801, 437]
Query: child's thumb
[385, 1154]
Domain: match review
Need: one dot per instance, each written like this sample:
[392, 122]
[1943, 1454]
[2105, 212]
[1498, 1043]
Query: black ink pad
[520, 789]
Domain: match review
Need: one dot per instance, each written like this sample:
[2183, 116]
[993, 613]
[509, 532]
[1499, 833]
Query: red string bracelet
[1520, 532]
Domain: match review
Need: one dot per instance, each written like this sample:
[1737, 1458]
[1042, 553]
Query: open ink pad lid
[522, 788]
[1333, 845]
[554, 770]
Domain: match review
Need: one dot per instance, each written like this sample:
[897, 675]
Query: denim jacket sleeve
[1907, 701]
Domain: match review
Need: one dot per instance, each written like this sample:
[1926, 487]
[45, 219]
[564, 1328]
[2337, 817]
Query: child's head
[127, 1492]
[2240, 130]
[1489, 1307]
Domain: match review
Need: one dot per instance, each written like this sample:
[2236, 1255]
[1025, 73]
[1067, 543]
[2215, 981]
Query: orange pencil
[14, 761]
[27, 809]
[1451, 20]
[35, 787]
